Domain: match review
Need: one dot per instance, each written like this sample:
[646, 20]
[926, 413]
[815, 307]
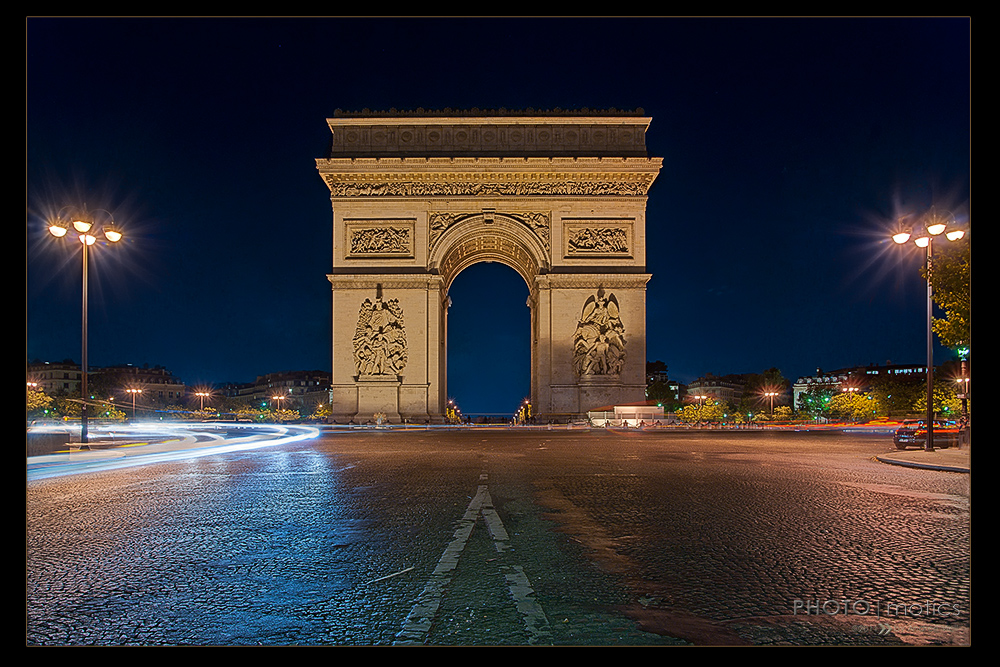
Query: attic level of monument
[494, 136]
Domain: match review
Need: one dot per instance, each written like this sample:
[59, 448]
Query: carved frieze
[598, 238]
[380, 338]
[379, 238]
[445, 188]
[599, 341]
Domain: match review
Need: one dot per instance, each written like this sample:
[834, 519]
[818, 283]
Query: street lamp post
[934, 225]
[133, 392]
[963, 354]
[771, 395]
[701, 404]
[83, 222]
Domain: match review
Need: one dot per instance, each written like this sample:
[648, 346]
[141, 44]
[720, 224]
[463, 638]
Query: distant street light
[202, 395]
[933, 225]
[133, 392]
[83, 222]
[701, 404]
[771, 395]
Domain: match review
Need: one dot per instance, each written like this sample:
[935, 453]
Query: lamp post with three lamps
[133, 391]
[83, 222]
[933, 225]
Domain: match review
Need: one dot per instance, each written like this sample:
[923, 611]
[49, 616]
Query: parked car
[912, 433]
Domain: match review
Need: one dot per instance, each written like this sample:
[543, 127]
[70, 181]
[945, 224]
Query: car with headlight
[913, 433]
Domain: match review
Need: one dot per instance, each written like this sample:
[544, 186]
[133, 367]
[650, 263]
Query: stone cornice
[386, 281]
[370, 177]
[413, 121]
[592, 280]
[477, 113]
[476, 165]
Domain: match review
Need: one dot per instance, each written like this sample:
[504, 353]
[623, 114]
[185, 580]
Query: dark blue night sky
[789, 145]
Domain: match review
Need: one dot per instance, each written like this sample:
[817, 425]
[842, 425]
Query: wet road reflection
[500, 537]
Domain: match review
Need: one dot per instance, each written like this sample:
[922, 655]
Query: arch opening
[488, 341]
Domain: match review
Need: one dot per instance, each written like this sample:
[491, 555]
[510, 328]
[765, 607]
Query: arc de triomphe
[417, 198]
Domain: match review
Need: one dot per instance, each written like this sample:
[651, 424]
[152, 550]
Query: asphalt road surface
[506, 537]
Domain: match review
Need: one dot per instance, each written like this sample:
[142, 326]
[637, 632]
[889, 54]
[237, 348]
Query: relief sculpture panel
[614, 240]
[599, 341]
[380, 338]
[379, 239]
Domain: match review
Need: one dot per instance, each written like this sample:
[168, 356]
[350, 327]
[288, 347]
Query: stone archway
[468, 238]
[418, 198]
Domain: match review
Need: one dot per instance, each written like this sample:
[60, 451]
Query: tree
[66, 406]
[951, 277]
[321, 411]
[207, 414]
[781, 413]
[37, 402]
[657, 385]
[110, 412]
[710, 411]
[896, 397]
[854, 406]
[946, 403]
[816, 402]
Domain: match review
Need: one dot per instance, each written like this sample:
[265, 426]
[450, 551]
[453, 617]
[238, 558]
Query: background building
[857, 377]
[303, 390]
[55, 378]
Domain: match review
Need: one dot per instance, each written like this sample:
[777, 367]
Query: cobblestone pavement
[500, 537]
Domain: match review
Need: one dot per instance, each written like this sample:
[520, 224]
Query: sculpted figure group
[599, 341]
[380, 339]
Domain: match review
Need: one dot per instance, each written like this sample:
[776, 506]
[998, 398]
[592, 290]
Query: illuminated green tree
[66, 406]
[321, 411]
[208, 413]
[816, 402]
[109, 413]
[896, 397]
[37, 402]
[854, 406]
[711, 411]
[951, 277]
[781, 413]
[946, 403]
[285, 415]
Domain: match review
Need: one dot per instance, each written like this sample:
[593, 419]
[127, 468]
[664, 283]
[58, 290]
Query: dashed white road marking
[418, 623]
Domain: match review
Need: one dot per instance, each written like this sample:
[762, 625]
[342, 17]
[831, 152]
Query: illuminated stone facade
[417, 198]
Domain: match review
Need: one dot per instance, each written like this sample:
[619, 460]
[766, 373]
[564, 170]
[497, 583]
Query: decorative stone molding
[599, 341]
[380, 339]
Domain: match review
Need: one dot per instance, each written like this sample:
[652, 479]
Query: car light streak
[184, 448]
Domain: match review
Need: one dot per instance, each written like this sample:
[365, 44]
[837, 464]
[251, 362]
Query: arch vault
[417, 198]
